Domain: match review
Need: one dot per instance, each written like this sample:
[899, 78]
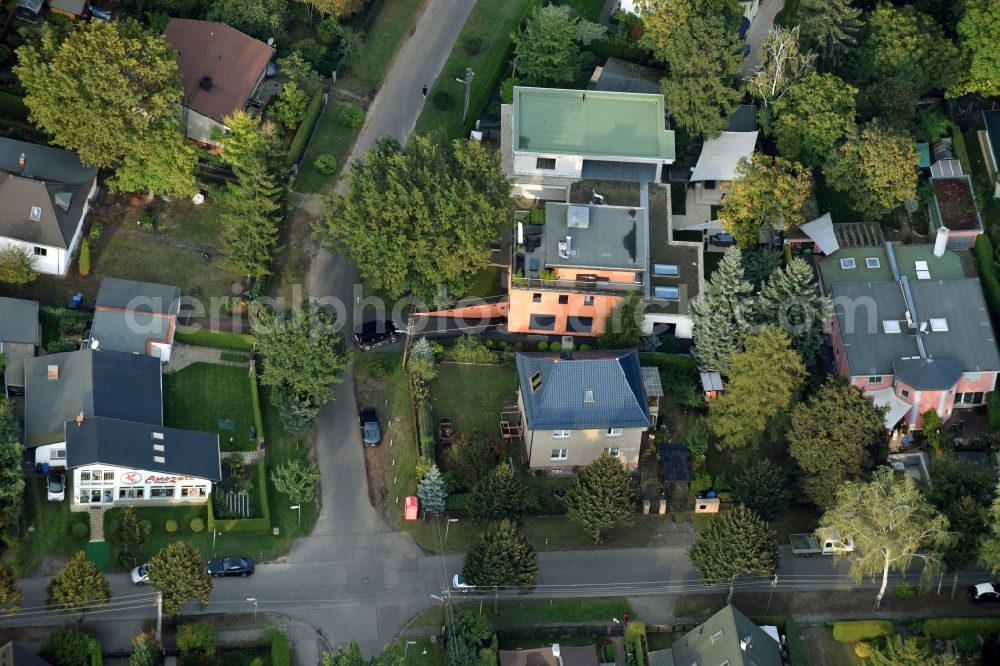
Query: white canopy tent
[719, 156]
[898, 408]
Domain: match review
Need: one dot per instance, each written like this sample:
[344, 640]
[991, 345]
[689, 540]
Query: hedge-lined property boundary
[301, 139]
[261, 524]
[852, 631]
[950, 628]
[983, 250]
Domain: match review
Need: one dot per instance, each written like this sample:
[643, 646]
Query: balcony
[582, 286]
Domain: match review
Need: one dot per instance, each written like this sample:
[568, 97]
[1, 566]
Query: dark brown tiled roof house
[221, 69]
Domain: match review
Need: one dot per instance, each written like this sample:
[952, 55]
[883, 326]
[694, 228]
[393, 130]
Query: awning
[719, 156]
[821, 232]
[898, 408]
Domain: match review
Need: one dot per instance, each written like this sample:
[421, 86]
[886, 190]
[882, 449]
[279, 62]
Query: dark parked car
[744, 26]
[375, 333]
[371, 434]
[722, 240]
[100, 13]
[984, 592]
[230, 566]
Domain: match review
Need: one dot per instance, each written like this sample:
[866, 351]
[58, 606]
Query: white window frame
[613, 432]
[559, 454]
[875, 379]
[848, 263]
[58, 454]
[612, 450]
[561, 434]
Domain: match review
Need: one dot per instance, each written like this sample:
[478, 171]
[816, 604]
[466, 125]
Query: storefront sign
[133, 478]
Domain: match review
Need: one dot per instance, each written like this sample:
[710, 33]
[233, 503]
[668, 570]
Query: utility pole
[159, 617]
[467, 82]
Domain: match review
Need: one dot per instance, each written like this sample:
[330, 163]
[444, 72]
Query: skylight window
[669, 293]
[939, 325]
[36, 213]
[159, 459]
[588, 395]
[717, 635]
[669, 270]
[536, 381]
[847, 263]
[872, 262]
[891, 326]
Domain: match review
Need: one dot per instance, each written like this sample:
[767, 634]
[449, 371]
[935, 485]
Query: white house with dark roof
[576, 406]
[45, 194]
[135, 317]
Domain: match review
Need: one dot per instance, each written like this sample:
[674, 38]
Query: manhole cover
[364, 581]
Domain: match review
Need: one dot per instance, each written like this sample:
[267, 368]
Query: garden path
[184, 355]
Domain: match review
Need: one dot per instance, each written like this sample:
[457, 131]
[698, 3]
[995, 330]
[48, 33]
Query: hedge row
[852, 631]
[301, 139]
[12, 106]
[961, 150]
[949, 628]
[983, 250]
[280, 655]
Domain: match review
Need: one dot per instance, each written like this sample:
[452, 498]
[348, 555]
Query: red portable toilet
[412, 508]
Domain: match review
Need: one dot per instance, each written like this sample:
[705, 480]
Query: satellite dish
[270, 41]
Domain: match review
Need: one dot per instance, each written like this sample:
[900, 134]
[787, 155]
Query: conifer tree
[791, 300]
[601, 496]
[500, 558]
[78, 587]
[498, 496]
[431, 492]
[720, 315]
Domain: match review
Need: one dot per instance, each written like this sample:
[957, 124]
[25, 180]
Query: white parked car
[55, 484]
[458, 582]
[140, 575]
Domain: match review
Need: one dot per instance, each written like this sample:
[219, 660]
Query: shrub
[991, 287]
[80, 531]
[423, 466]
[993, 411]
[351, 116]
[326, 164]
[852, 631]
[950, 628]
[470, 349]
[85, 258]
[702, 482]
[279, 650]
[457, 502]
[472, 45]
[507, 90]
[298, 147]
[146, 222]
[378, 369]
[543, 346]
[96, 229]
[146, 525]
[197, 525]
[171, 526]
[863, 650]
[584, 347]
[536, 215]
[69, 647]
[968, 643]
[442, 100]
[197, 639]
[905, 591]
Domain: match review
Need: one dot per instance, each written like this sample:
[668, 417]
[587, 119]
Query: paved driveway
[762, 24]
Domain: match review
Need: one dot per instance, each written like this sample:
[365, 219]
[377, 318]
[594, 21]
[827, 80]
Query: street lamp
[298, 507]
[407, 647]
[447, 526]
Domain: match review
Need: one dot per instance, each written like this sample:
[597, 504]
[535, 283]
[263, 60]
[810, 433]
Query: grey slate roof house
[45, 194]
[136, 317]
[728, 637]
[576, 406]
[20, 335]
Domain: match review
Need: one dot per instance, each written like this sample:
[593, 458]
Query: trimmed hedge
[852, 631]
[961, 150]
[983, 250]
[258, 420]
[280, 655]
[301, 139]
[203, 337]
[949, 628]
[80, 531]
[261, 524]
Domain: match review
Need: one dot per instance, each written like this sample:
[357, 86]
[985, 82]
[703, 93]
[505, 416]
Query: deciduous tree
[297, 479]
[877, 167]
[831, 27]
[470, 641]
[178, 571]
[126, 532]
[500, 558]
[10, 593]
[763, 488]
[78, 587]
[335, 8]
[261, 19]
[17, 267]
[764, 382]
[899, 651]
[833, 437]
[102, 89]
[662, 19]
[352, 656]
[67, 646]
[766, 191]
[784, 65]
[623, 325]
[790, 299]
[290, 106]
[302, 353]
[890, 524]
[812, 117]
[977, 41]
[548, 46]
[733, 544]
[601, 496]
[421, 216]
[497, 496]
[431, 492]
[160, 162]
[720, 315]
[989, 545]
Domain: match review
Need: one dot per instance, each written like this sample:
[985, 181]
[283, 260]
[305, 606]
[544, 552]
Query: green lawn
[363, 77]
[474, 395]
[211, 398]
[600, 609]
[486, 284]
[216, 339]
[183, 220]
[492, 21]
[48, 531]
[542, 532]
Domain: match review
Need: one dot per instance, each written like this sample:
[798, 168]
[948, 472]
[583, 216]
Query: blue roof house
[575, 407]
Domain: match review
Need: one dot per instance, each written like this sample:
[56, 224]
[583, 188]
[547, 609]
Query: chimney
[21, 162]
[566, 348]
[79, 419]
[205, 83]
[941, 242]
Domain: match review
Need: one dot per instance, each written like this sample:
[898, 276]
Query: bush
[470, 349]
[80, 531]
[536, 216]
[146, 525]
[863, 650]
[950, 628]
[993, 411]
[852, 631]
[302, 134]
[507, 90]
[472, 45]
[351, 116]
[442, 100]
[96, 229]
[197, 525]
[171, 526]
[905, 591]
[457, 502]
[279, 650]
[198, 639]
[70, 647]
[991, 287]
[146, 222]
[584, 348]
[85, 258]
[378, 369]
[543, 346]
[326, 164]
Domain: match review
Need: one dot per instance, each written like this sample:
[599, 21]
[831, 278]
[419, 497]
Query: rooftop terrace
[853, 264]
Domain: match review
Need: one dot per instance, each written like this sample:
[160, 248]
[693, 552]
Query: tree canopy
[500, 557]
[10, 593]
[763, 488]
[470, 641]
[977, 41]
[161, 162]
[297, 479]
[421, 216]
[661, 19]
[812, 117]
[431, 492]
[178, 571]
[261, 19]
[785, 64]
[11, 477]
[601, 496]
[764, 381]
[735, 543]
[765, 191]
[17, 266]
[497, 496]
[989, 546]
[78, 587]
[877, 167]
[790, 299]
[830, 27]
[548, 46]
[834, 437]
[102, 89]
[721, 314]
[890, 524]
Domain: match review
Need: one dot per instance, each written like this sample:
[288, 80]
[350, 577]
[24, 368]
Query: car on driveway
[55, 485]
[230, 566]
[140, 575]
[458, 582]
[722, 239]
[375, 334]
[371, 434]
[984, 592]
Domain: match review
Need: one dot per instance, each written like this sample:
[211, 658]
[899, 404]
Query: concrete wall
[684, 327]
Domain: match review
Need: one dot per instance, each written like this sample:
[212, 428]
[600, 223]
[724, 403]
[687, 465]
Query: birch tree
[891, 525]
[784, 65]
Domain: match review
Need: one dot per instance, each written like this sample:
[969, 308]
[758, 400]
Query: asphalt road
[762, 24]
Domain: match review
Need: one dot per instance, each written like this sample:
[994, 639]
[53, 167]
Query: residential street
[761, 25]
